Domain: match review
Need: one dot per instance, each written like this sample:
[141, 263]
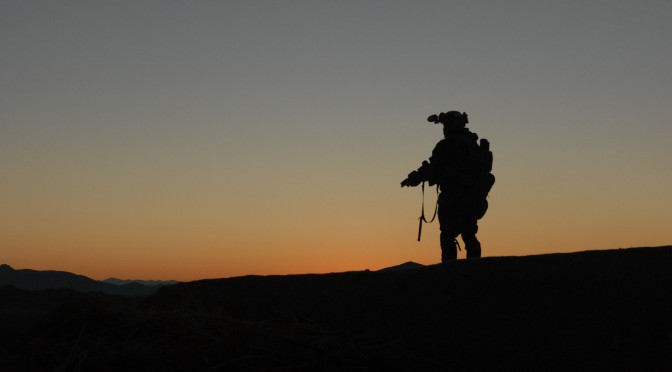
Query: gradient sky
[188, 140]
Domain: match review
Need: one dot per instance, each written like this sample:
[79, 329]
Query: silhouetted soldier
[462, 169]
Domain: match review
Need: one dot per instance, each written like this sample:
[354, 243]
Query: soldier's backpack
[484, 179]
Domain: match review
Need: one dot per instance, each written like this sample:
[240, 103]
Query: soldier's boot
[472, 246]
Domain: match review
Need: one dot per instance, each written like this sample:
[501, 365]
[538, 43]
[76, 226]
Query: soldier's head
[451, 120]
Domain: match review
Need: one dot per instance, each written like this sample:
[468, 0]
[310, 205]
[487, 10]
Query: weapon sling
[422, 214]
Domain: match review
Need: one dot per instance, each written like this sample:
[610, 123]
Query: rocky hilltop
[586, 311]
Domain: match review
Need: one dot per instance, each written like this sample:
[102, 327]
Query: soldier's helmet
[450, 118]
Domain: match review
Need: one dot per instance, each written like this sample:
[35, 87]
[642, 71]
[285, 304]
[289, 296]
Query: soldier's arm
[417, 176]
[428, 171]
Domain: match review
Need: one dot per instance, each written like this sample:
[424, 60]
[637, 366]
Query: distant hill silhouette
[148, 283]
[410, 265]
[40, 280]
[587, 311]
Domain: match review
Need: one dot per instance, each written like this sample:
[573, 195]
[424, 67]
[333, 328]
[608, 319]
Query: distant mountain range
[40, 280]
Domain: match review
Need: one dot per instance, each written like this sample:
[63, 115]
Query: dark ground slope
[592, 311]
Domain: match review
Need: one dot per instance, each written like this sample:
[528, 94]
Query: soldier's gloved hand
[410, 181]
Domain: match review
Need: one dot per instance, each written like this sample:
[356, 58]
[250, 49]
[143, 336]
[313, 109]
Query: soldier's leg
[450, 229]
[471, 243]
